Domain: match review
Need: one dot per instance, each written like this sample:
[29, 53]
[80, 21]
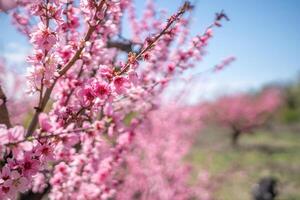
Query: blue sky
[264, 35]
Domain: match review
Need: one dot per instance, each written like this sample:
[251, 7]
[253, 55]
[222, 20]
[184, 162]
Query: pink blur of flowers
[246, 112]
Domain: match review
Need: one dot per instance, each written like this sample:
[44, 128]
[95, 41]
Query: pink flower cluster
[94, 117]
[23, 160]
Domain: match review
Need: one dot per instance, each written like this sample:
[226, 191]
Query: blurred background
[264, 37]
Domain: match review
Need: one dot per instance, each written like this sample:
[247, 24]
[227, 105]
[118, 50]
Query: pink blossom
[44, 122]
[30, 166]
[133, 77]
[224, 63]
[18, 183]
[70, 140]
[105, 71]
[66, 52]
[101, 89]
[55, 13]
[45, 153]
[125, 138]
[5, 173]
[12, 135]
[120, 84]
[15, 134]
[12, 182]
[39, 183]
[43, 38]
[86, 95]
[36, 58]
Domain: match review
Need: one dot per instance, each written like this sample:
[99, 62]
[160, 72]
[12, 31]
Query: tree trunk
[235, 137]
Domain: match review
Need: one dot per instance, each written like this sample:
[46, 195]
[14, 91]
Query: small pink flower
[105, 71]
[36, 58]
[108, 109]
[45, 153]
[61, 168]
[19, 183]
[224, 63]
[20, 19]
[209, 32]
[101, 90]
[120, 84]
[70, 140]
[86, 95]
[30, 166]
[16, 134]
[55, 12]
[125, 138]
[12, 183]
[66, 52]
[104, 170]
[171, 67]
[5, 173]
[6, 190]
[133, 77]
[43, 38]
[44, 122]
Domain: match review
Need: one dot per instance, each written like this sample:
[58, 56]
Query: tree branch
[186, 6]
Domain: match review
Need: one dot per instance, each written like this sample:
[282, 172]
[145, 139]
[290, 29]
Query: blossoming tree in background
[89, 144]
[243, 113]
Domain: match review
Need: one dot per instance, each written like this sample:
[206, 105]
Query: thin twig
[170, 22]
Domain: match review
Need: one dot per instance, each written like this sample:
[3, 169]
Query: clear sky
[264, 36]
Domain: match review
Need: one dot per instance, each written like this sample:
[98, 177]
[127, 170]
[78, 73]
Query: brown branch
[38, 110]
[53, 135]
[4, 116]
[126, 46]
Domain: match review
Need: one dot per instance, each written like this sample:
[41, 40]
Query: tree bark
[35, 196]
[4, 116]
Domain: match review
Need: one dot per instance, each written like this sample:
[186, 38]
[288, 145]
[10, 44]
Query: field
[272, 152]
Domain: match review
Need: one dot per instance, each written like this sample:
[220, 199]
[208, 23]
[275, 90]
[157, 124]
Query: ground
[268, 152]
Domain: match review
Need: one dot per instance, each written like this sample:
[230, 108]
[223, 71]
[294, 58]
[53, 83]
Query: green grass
[234, 171]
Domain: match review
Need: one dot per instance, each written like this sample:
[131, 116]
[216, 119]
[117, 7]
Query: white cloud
[207, 89]
[211, 89]
[15, 54]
